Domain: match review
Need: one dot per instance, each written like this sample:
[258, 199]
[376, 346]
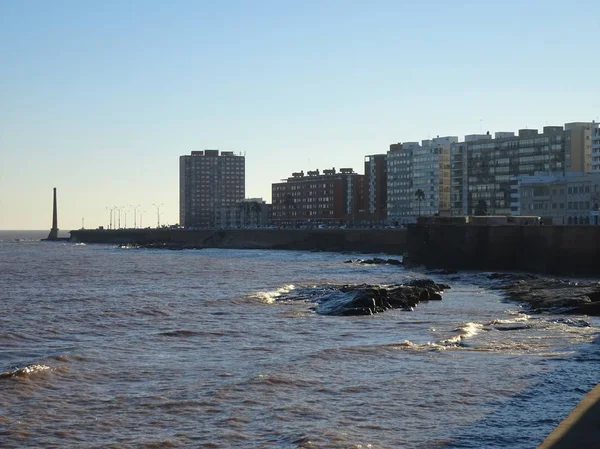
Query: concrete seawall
[391, 241]
[581, 428]
[557, 250]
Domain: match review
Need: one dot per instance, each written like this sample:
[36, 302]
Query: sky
[99, 99]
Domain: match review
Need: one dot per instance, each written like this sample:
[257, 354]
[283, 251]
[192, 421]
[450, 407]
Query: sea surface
[102, 347]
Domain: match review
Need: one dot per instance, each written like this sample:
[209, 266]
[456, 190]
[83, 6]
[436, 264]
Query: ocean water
[122, 348]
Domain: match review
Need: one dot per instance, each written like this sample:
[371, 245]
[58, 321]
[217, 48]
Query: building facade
[250, 213]
[400, 182]
[596, 150]
[209, 181]
[315, 198]
[573, 199]
[376, 187]
[578, 137]
[414, 167]
[483, 168]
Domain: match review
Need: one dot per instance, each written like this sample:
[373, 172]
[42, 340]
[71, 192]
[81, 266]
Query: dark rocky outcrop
[552, 295]
[375, 261]
[442, 272]
[366, 299]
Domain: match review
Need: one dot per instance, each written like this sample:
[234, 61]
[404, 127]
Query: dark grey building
[209, 181]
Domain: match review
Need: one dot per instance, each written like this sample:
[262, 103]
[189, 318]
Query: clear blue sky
[99, 99]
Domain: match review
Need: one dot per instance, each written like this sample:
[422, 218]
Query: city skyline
[100, 101]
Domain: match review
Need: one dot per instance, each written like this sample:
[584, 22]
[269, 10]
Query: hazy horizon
[100, 100]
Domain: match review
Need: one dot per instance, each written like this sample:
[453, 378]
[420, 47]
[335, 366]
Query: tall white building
[421, 167]
[208, 182]
[431, 174]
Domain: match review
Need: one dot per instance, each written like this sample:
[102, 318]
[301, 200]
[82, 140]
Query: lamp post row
[114, 217]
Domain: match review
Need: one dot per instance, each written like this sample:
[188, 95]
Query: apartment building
[421, 167]
[400, 182]
[596, 150]
[331, 197]
[431, 174]
[482, 168]
[251, 212]
[578, 137]
[209, 180]
[376, 186]
[572, 199]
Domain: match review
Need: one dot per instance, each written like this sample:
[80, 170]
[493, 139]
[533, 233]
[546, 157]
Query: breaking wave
[25, 371]
[271, 296]
[465, 331]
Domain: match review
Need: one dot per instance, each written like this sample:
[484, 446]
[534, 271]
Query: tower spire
[54, 231]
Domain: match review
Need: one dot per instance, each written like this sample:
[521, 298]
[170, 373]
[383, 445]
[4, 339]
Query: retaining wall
[562, 250]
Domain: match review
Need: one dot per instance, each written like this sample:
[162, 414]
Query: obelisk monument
[54, 231]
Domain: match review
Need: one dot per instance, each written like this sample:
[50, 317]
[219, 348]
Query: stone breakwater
[390, 241]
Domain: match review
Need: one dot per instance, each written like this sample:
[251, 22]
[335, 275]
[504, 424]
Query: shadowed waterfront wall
[560, 250]
[391, 241]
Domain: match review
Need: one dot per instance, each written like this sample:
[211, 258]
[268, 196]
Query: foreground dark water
[105, 347]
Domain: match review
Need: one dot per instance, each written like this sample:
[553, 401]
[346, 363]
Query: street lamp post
[110, 219]
[119, 209]
[135, 215]
[158, 213]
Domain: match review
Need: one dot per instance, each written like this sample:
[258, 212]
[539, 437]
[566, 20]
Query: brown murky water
[106, 347]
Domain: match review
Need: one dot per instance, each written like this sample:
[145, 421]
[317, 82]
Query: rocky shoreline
[543, 294]
[540, 294]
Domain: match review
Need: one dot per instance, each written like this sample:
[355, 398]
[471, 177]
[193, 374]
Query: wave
[179, 333]
[519, 317]
[271, 296]
[25, 371]
[465, 331]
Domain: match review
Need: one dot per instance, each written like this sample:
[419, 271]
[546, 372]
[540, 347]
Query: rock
[511, 276]
[555, 295]
[379, 261]
[366, 299]
[442, 272]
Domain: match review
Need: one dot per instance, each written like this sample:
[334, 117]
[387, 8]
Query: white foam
[467, 330]
[25, 371]
[270, 297]
[519, 317]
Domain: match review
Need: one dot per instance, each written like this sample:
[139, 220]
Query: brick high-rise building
[330, 197]
[209, 181]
